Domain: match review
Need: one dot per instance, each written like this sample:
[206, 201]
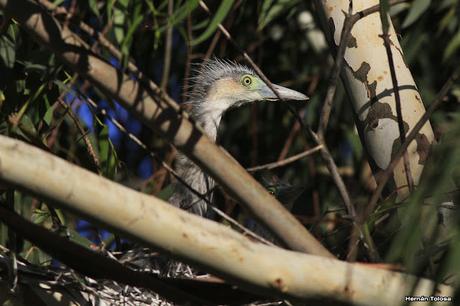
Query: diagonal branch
[167, 121]
[286, 161]
[216, 248]
[402, 133]
[350, 20]
[84, 260]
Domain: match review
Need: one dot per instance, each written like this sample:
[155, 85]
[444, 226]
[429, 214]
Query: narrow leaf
[453, 46]
[416, 10]
[221, 13]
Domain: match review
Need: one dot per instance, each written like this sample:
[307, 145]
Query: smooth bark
[368, 81]
[212, 246]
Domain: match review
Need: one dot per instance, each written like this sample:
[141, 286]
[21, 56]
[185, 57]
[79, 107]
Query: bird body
[218, 86]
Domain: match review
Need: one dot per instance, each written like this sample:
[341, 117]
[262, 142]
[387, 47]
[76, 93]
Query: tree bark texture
[367, 79]
[212, 246]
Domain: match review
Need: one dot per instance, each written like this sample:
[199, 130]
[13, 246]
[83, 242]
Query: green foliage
[417, 9]
[282, 37]
[7, 46]
[272, 9]
[219, 16]
[107, 154]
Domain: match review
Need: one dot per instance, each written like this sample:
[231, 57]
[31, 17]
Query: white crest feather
[208, 72]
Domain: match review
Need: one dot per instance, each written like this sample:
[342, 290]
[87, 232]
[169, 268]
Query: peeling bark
[368, 82]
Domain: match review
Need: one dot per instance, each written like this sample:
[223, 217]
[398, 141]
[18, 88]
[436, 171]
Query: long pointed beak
[284, 93]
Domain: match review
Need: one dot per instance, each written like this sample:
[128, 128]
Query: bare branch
[286, 161]
[84, 260]
[212, 246]
[89, 146]
[402, 133]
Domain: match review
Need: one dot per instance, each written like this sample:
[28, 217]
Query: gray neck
[209, 119]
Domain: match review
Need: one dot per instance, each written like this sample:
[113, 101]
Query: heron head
[220, 85]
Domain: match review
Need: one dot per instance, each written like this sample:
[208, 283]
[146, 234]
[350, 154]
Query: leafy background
[43, 103]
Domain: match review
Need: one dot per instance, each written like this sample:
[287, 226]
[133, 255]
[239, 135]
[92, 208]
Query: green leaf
[49, 115]
[109, 9]
[182, 12]
[417, 9]
[39, 216]
[78, 239]
[36, 256]
[166, 192]
[134, 24]
[7, 46]
[119, 20]
[93, 7]
[179, 15]
[27, 126]
[355, 143]
[221, 13]
[2, 98]
[107, 154]
[272, 9]
[453, 45]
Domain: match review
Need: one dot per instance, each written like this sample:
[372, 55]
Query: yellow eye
[246, 80]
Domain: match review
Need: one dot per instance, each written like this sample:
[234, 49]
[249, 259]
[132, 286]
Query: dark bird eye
[247, 81]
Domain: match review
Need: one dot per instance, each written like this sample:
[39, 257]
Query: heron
[219, 85]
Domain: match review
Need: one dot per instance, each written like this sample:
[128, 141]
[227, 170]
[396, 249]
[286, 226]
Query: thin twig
[12, 243]
[402, 134]
[332, 167]
[286, 161]
[212, 45]
[290, 139]
[84, 134]
[324, 151]
[386, 174]
[188, 58]
[168, 50]
[348, 24]
[337, 68]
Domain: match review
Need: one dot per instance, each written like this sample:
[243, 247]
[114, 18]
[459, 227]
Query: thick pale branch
[84, 260]
[164, 119]
[208, 244]
[379, 117]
